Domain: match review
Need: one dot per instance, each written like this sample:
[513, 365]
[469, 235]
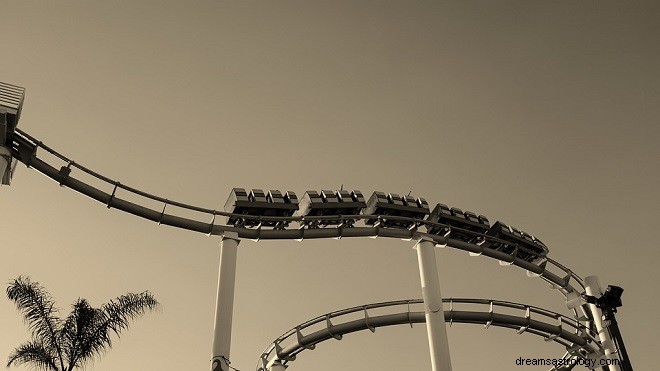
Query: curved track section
[25, 148]
[114, 194]
[575, 337]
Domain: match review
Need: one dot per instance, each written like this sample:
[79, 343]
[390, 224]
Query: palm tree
[64, 344]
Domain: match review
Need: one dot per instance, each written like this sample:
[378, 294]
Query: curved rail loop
[578, 339]
[25, 147]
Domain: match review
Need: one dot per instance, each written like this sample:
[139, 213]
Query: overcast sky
[541, 114]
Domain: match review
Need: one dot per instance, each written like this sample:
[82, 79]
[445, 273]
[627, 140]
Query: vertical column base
[219, 364]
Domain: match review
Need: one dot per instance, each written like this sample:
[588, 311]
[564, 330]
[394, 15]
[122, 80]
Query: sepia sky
[543, 115]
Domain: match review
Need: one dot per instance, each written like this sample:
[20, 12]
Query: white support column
[224, 305]
[592, 288]
[277, 366]
[435, 316]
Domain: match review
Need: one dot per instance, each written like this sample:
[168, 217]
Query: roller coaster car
[340, 202]
[530, 248]
[11, 104]
[459, 223]
[381, 204]
[258, 203]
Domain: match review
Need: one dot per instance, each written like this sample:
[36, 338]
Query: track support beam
[224, 306]
[593, 288]
[277, 366]
[434, 313]
[5, 165]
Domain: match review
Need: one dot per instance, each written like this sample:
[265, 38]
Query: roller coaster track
[59, 168]
[25, 148]
[578, 339]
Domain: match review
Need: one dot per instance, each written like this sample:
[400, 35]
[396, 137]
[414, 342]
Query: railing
[577, 338]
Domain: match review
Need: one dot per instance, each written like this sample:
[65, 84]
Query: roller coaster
[552, 326]
[257, 215]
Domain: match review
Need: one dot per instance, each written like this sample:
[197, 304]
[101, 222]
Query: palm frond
[38, 309]
[76, 328]
[122, 310]
[35, 354]
[113, 316]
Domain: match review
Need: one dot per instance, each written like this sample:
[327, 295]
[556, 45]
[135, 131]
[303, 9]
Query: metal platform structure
[275, 215]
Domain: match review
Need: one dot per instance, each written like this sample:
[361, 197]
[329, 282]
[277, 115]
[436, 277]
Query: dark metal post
[615, 333]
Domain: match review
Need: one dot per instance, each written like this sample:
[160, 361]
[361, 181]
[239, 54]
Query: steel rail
[25, 150]
[287, 346]
[25, 147]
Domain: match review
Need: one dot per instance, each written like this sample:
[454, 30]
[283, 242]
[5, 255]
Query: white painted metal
[224, 306]
[277, 366]
[593, 288]
[435, 316]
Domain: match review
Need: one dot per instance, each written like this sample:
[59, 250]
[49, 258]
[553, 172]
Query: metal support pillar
[5, 164]
[592, 288]
[435, 316]
[5, 158]
[224, 305]
[277, 366]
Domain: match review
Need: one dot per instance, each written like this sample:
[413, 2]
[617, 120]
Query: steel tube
[498, 320]
[434, 314]
[593, 288]
[224, 306]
